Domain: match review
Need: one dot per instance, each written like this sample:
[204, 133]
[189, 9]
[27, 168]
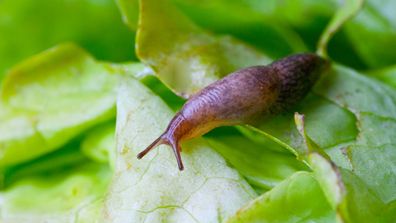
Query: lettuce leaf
[373, 31]
[65, 157]
[342, 15]
[205, 57]
[345, 114]
[299, 198]
[99, 144]
[50, 99]
[336, 126]
[72, 195]
[361, 187]
[370, 153]
[245, 23]
[386, 75]
[244, 20]
[278, 28]
[64, 96]
[347, 197]
[29, 27]
[260, 164]
[153, 189]
[347, 194]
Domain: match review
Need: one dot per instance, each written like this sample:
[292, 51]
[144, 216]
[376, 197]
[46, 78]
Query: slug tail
[165, 139]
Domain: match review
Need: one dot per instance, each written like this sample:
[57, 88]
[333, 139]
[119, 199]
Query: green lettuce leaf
[172, 100]
[99, 144]
[373, 31]
[153, 189]
[368, 151]
[277, 27]
[374, 105]
[337, 131]
[328, 124]
[386, 75]
[50, 99]
[342, 196]
[343, 14]
[260, 164]
[133, 69]
[347, 194]
[130, 12]
[65, 157]
[246, 22]
[72, 195]
[185, 57]
[299, 198]
[29, 27]
[63, 94]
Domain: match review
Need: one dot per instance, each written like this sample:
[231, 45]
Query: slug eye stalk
[164, 139]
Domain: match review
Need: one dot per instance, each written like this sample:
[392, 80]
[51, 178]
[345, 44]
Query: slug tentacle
[168, 140]
[154, 144]
[244, 96]
[170, 137]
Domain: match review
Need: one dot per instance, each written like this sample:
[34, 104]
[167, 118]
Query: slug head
[171, 137]
[168, 140]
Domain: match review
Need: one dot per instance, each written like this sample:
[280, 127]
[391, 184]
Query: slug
[242, 97]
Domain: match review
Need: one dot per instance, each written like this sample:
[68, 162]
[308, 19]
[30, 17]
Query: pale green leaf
[74, 195]
[99, 144]
[153, 189]
[51, 98]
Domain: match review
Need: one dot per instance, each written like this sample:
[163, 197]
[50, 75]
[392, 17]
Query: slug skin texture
[243, 96]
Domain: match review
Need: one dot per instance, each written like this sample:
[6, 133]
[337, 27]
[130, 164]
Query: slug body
[242, 97]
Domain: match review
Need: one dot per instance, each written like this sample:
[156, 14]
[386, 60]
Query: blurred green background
[28, 27]
[276, 27]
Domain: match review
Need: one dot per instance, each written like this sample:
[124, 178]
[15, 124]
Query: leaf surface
[73, 195]
[50, 99]
[185, 57]
[153, 189]
[299, 198]
[369, 106]
[373, 31]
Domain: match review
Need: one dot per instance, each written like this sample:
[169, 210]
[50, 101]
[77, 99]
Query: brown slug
[242, 97]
